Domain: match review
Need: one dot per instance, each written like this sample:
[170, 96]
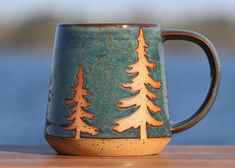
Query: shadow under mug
[108, 93]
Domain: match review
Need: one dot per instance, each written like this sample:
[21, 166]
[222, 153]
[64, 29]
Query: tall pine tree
[77, 105]
[142, 98]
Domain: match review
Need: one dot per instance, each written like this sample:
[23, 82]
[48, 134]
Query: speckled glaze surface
[108, 93]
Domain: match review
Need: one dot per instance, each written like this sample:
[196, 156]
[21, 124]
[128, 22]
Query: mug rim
[122, 25]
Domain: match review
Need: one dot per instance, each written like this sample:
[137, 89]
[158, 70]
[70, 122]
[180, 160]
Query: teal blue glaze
[104, 53]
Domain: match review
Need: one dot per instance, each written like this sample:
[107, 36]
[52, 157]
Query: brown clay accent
[142, 100]
[108, 147]
[78, 112]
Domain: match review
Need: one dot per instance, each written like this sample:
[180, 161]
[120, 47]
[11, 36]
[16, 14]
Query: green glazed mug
[108, 92]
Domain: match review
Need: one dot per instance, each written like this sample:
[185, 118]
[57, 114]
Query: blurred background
[27, 30]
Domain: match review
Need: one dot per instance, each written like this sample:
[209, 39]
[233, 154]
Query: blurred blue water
[24, 89]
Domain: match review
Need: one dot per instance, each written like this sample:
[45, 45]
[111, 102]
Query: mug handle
[212, 56]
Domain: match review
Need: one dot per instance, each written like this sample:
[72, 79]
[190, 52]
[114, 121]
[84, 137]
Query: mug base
[107, 147]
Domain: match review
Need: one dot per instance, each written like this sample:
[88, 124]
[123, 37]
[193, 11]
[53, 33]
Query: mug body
[107, 94]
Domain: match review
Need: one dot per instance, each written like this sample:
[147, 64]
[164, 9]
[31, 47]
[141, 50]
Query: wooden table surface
[172, 156]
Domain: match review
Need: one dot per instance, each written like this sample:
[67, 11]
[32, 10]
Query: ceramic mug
[108, 93]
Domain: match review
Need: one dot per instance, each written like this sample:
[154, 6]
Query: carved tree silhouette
[142, 98]
[50, 94]
[77, 105]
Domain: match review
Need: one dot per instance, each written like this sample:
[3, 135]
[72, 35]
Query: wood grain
[172, 156]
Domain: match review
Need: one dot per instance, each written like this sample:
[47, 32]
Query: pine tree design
[50, 94]
[142, 98]
[77, 105]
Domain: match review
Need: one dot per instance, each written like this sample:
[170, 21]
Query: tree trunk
[143, 131]
[78, 133]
